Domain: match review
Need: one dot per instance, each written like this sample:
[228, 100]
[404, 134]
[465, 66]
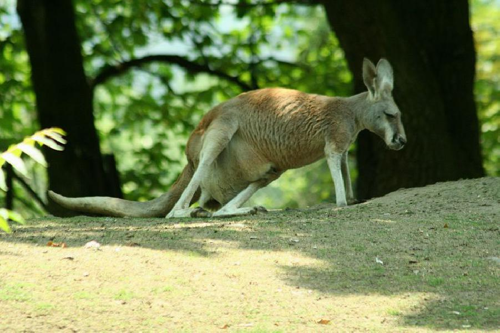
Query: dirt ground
[416, 260]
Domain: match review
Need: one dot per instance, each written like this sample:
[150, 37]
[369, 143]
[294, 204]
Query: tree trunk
[430, 45]
[63, 96]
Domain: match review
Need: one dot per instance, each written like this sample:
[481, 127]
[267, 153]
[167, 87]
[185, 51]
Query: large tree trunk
[63, 96]
[430, 45]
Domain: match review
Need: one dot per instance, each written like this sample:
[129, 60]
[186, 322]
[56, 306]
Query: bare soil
[416, 260]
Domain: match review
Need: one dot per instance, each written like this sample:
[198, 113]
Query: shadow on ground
[438, 240]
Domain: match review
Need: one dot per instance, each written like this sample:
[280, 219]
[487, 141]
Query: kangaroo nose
[399, 139]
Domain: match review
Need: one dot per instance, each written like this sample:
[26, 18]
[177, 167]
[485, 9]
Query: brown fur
[248, 141]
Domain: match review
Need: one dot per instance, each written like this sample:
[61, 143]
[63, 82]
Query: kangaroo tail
[108, 206]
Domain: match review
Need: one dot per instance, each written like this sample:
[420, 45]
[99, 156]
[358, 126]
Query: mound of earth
[416, 260]
[481, 194]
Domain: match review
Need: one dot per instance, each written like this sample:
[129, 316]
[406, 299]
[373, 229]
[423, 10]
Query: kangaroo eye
[390, 115]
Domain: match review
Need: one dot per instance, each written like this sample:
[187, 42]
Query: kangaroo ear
[370, 76]
[385, 75]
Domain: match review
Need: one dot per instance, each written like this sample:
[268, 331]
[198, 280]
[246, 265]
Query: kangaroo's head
[383, 116]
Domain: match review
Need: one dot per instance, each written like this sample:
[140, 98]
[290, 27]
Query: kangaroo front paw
[260, 209]
[200, 212]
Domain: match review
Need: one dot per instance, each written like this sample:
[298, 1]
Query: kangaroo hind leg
[233, 207]
[215, 140]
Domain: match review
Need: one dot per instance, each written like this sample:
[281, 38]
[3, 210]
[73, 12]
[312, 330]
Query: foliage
[52, 138]
[268, 46]
[16, 96]
[17, 100]
[6, 215]
[145, 114]
[487, 89]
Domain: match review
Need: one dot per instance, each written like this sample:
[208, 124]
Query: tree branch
[253, 4]
[282, 62]
[192, 67]
[32, 192]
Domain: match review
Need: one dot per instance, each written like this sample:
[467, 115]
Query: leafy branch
[31, 191]
[52, 138]
[192, 67]
[248, 4]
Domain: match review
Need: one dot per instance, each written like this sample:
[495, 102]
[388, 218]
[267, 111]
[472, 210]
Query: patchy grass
[297, 270]
[18, 292]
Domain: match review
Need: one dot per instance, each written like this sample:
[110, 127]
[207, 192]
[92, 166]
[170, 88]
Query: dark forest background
[128, 81]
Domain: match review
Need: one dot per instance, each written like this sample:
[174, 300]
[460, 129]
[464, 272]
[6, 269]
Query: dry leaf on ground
[52, 244]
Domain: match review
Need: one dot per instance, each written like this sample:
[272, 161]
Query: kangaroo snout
[398, 142]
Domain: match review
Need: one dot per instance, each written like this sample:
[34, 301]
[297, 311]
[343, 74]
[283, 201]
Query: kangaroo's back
[286, 126]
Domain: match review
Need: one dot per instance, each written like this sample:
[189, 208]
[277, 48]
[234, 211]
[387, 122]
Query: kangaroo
[245, 143]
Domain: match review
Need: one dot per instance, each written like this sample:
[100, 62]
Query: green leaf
[4, 225]
[3, 185]
[16, 162]
[55, 136]
[5, 215]
[49, 143]
[15, 216]
[56, 130]
[32, 152]
[14, 150]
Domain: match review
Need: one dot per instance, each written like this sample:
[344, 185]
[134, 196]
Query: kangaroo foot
[230, 212]
[188, 212]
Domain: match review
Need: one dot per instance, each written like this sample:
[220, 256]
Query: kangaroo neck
[359, 104]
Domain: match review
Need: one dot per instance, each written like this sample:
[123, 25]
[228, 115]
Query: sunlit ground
[415, 260]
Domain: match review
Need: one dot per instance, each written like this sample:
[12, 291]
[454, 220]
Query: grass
[84, 295]
[18, 292]
[124, 295]
[435, 281]
[310, 270]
